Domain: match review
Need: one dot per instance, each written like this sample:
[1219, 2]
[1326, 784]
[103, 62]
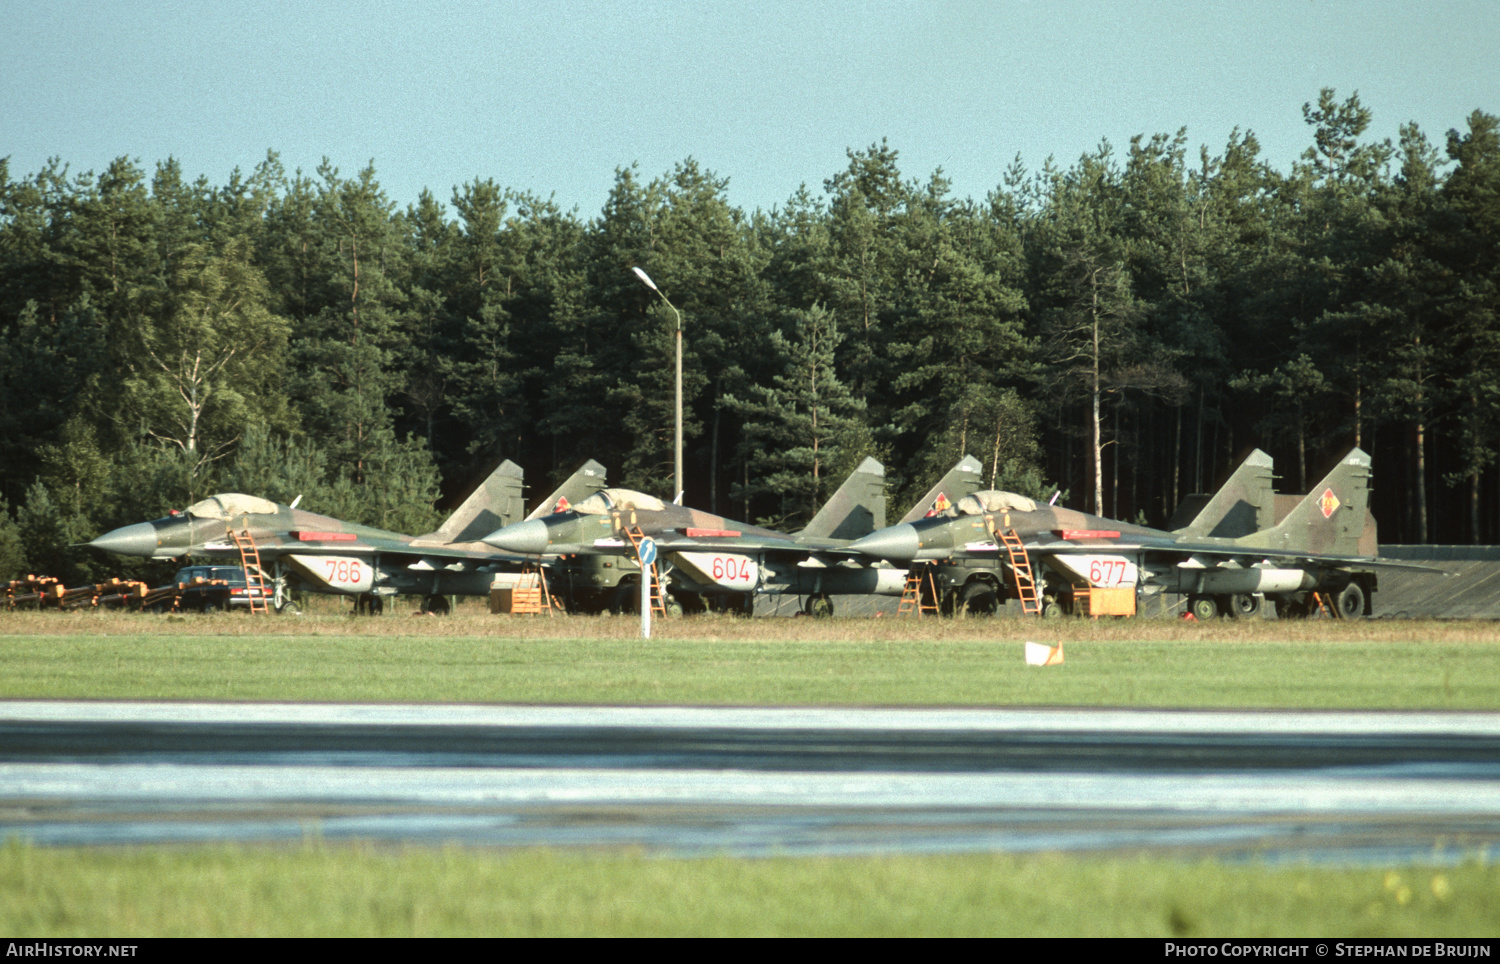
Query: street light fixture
[677, 443]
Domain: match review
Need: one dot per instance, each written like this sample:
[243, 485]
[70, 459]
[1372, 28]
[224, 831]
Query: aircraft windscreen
[227, 505]
[993, 500]
[601, 502]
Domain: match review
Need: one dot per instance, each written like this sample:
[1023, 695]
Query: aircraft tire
[437, 605]
[691, 603]
[978, 598]
[1241, 605]
[1205, 609]
[627, 599]
[1290, 607]
[818, 606]
[1351, 601]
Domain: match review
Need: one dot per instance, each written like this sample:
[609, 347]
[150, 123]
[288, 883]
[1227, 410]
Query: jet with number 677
[1233, 556]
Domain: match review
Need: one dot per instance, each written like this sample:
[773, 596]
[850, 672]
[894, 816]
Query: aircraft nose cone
[523, 538]
[895, 542]
[133, 540]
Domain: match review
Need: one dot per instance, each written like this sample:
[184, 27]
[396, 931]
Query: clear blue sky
[552, 97]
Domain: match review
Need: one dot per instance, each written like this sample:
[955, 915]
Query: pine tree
[801, 430]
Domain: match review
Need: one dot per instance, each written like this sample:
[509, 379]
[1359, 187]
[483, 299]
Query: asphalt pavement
[1346, 787]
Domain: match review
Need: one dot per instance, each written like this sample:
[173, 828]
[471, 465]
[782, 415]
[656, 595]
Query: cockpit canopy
[993, 500]
[606, 500]
[230, 505]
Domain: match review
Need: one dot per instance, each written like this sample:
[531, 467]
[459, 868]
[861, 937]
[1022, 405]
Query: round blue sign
[648, 552]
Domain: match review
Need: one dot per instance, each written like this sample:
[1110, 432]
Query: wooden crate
[1105, 602]
[516, 602]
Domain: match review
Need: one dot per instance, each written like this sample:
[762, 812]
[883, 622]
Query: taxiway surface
[1300, 785]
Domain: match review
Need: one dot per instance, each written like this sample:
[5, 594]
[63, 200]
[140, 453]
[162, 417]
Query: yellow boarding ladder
[255, 576]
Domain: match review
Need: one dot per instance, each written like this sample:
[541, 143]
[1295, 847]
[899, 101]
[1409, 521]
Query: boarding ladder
[1020, 569]
[658, 605]
[1326, 603]
[911, 596]
[255, 576]
[549, 601]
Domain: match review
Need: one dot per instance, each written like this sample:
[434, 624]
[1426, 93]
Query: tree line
[1122, 329]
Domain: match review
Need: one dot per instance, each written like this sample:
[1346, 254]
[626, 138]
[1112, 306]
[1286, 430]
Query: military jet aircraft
[1225, 560]
[327, 555]
[717, 563]
[714, 562]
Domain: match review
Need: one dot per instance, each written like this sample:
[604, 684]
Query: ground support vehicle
[214, 589]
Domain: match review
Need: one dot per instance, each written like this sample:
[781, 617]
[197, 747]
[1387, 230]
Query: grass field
[318, 889]
[314, 890]
[879, 662]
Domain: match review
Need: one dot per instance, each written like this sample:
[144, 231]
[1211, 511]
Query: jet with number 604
[1321, 555]
[713, 563]
[301, 549]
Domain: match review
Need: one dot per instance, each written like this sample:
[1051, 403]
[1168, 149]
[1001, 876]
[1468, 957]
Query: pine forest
[1122, 329]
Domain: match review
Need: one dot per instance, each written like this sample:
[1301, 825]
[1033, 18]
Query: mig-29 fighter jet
[327, 555]
[719, 564]
[1225, 560]
[714, 562]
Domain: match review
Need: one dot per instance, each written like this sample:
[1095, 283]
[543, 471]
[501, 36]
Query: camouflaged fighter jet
[322, 554]
[715, 563]
[1226, 560]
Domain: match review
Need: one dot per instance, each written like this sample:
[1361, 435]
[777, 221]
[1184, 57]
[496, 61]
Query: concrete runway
[1346, 787]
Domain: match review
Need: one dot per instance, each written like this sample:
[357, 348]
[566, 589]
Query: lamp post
[677, 441]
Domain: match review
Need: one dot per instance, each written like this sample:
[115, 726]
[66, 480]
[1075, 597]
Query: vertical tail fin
[1243, 505]
[579, 486]
[963, 479]
[496, 502]
[856, 509]
[1330, 519]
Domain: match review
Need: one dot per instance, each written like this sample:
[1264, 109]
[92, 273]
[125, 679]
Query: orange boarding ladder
[255, 576]
[1327, 604]
[911, 595]
[658, 605]
[549, 602]
[1020, 568]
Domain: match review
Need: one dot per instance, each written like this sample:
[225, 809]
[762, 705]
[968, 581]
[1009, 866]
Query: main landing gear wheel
[978, 598]
[1242, 605]
[1205, 609]
[818, 606]
[627, 599]
[437, 605]
[1291, 606]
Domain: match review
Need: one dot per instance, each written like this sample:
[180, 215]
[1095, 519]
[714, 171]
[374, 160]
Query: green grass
[878, 662]
[317, 890]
